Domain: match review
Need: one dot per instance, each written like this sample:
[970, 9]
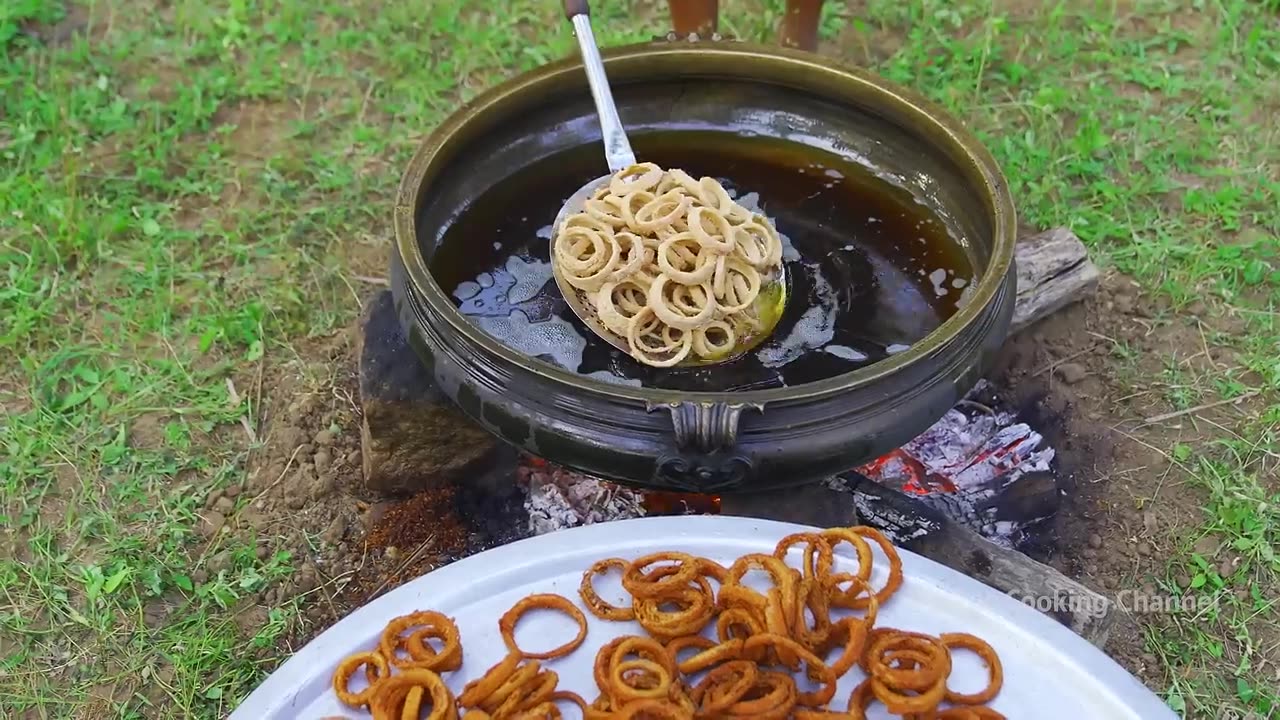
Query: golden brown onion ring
[549, 601]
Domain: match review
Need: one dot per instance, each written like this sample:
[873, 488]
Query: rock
[254, 519]
[224, 505]
[1144, 549]
[322, 460]
[1095, 541]
[1226, 568]
[1091, 569]
[307, 579]
[324, 438]
[262, 551]
[199, 577]
[412, 437]
[1206, 546]
[1183, 580]
[210, 522]
[1071, 373]
[232, 491]
[322, 486]
[333, 534]
[220, 562]
[1123, 304]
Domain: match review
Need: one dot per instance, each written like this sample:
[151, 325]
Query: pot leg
[694, 16]
[800, 24]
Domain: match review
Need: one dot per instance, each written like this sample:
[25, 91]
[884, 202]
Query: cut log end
[1054, 271]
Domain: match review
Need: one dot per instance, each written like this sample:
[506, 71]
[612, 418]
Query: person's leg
[800, 24]
[694, 16]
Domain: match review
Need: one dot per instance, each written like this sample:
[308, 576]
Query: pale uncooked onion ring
[660, 306]
[705, 346]
[739, 289]
[696, 263]
[642, 326]
[641, 176]
[619, 302]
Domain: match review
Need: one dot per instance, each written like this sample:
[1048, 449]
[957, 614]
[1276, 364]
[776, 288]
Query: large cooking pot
[706, 442]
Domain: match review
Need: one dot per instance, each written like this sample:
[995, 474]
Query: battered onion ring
[641, 327]
[605, 209]
[641, 176]
[590, 281]
[621, 689]
[580, 249]
[676, 250]
[775, 697]
[653, 585]
[482, 687]
[629, 204]
[817, 553]
[347, 668]
[862, 550]
[720, 238]
[814, 667]
[705, 346]
[660, 306]
[393, 694]
[433, 625]
[632, 260]
[593, 601]
[660, 212]
[618, 302]
[902, 704]
[995, 671]
[921, 677]
[724, 685]
[549, 601]
[739, 289]
[737, 618]
[893, 582]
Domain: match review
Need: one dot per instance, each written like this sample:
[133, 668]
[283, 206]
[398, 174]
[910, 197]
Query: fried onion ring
[995, 671]
[347, 668]
[548, 601]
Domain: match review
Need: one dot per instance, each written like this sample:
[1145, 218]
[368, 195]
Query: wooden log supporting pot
[707, 442]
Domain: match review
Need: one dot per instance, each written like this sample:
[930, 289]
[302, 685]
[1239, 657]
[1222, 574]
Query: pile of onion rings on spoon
[671, 265]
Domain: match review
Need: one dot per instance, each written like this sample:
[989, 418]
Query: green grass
[188, 190]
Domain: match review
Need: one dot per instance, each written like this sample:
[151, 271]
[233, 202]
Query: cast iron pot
[706, 442]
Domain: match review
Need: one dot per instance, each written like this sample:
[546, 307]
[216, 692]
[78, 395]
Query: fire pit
[688, 440]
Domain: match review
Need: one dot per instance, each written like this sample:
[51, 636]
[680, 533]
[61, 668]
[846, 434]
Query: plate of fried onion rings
[699, 617]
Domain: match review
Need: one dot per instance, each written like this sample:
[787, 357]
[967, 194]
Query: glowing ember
[672, 503]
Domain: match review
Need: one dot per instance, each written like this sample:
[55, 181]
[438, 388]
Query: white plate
[1049, 672]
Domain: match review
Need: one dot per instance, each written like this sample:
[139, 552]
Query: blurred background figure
[799, 23]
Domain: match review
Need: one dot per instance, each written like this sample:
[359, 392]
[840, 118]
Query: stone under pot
[714, 442]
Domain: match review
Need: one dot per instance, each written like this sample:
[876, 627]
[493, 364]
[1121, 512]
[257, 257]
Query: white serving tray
[1049, 672]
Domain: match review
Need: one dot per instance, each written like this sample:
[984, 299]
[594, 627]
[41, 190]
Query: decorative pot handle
[703, 460]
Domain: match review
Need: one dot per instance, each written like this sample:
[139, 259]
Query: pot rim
[994, 190]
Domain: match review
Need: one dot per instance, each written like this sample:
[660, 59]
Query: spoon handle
[617, 148]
